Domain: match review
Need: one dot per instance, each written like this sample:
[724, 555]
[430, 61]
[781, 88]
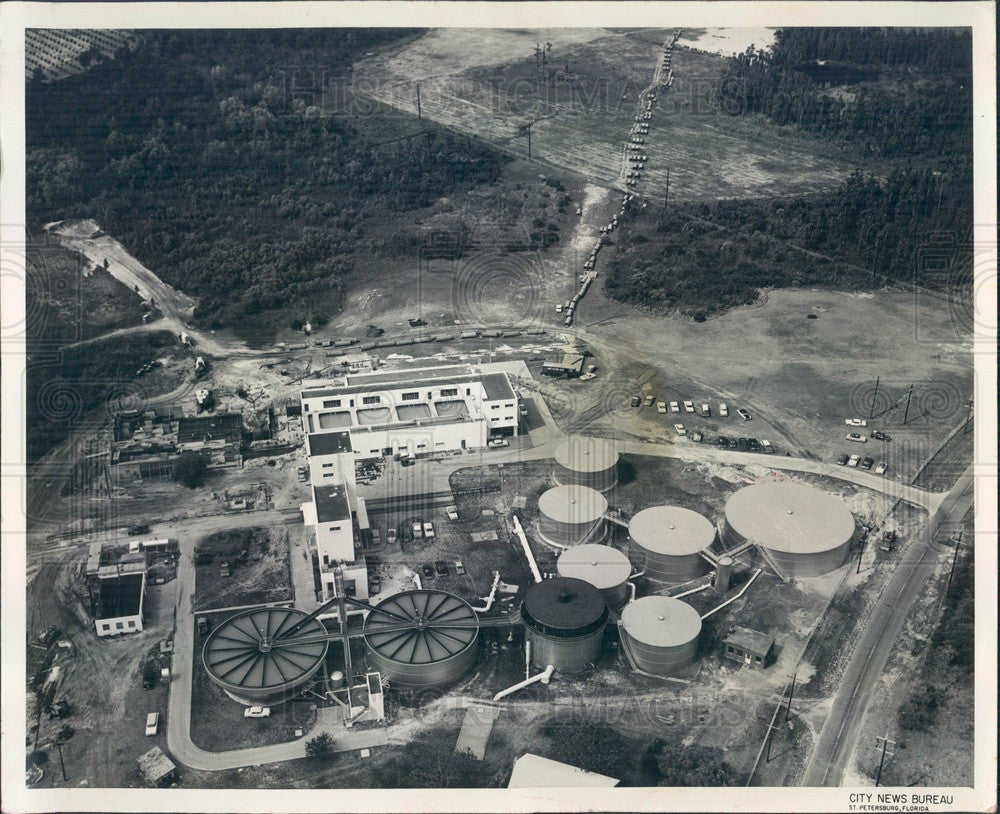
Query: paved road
[885, 623]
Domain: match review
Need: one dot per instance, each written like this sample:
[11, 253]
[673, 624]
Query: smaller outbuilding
[750, 648]
[157, 768]
[119, 605]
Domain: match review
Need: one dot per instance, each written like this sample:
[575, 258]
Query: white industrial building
[336, 513]
[414, 412]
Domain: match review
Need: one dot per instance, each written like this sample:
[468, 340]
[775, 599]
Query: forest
[869, 232]
[203, 156]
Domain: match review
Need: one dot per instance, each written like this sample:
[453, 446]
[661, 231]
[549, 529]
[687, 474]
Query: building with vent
[414, 412]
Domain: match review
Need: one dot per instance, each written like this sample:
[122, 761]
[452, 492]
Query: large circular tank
[564, 620]
[661, 633]
[571, 515]
[668, 541]
[804, 531]
[606, 568]
[263, 655]
[422, 639]
[584, 461]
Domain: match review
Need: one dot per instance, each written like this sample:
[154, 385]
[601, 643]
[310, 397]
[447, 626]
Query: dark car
[636, 401]
[868, 463]
[405, 533]
[743, 443]
[142, 528]
[441, 567]
[753, 444]
[723, 442]
[878, 435]
[733, 443]
[427, 570]
[842, 459]
[202, 625]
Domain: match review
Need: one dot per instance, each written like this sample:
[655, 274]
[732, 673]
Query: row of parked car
[864, 463]
[705, 409]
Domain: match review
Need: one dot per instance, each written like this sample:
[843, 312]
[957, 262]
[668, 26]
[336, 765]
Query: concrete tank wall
[661, 633]
[571, 515]
[570, 655]
[425, 676]
[583, 461]
[606, 568]
[667, 541]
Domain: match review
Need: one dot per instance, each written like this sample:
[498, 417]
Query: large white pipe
[692, 591]
[543, 676]
[493, 592]
[527, 549]
[733, 599]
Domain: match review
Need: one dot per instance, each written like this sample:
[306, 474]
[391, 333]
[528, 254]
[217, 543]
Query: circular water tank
[583, 461]
[606, 568]
[422, 639]
[571, 515]
[661, 633]
[564, 620]
[266, 655]
[668, 541]
[804, 531]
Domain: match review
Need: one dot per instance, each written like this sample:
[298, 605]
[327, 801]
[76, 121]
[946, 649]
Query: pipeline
[631, 586]
[743, 590]
[493, 592]
[519, 531]
[543, 676]
[699, 589]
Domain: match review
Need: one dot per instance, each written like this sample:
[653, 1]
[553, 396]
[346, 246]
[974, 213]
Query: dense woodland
[203, 156]
[905, 101]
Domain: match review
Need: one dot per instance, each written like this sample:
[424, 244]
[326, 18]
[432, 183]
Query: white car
[257, 712]
[680, 429]
[688, 406]
[418, 531]
[451, 512]
[744, 414]
[766, 445]
[500, 442]
[661, 406]
[880, 468]
[706, 410]
[856, 422]
[428, 530]
[675, 407]
[853, 460]
[856, 436]
[152, 723]
[724, 409]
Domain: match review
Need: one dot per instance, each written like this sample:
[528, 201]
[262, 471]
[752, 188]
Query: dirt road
[838, 737]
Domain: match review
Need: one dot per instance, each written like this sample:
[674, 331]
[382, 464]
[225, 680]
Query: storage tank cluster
[422, 639]
[804, 531]
[564, 621]
[583, 461]
[572, 515]
[606, 568]
[661, 633]
[668, 541]
[260, 656]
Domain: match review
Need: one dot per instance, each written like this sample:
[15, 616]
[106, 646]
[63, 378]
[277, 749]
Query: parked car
[723, 442]
[459, 567]
[878, 435]
[842, 459]
[406, 532]
[742, 413]
[648, 401]
[257, 712]
[661, 406]
[376, 537]
[390, 536]
[853, 460]
[675, 407]
[441, 567]
[880, 468]
[680, 429]
[723, 409]
[142, 528]
[706, 410]
[418, 530]
[203, 627]
[856, 436]
[697, 436]
[152, 723]
[428, 530]
[743, 443]
[766, 446]
[733, 443]
[868, 463]
[374, 584]
[636, 401]
[856, 422]
[451, 512]
[753, 444]
[427, 570]
[522, 408]
[498, 442]
[688, 406]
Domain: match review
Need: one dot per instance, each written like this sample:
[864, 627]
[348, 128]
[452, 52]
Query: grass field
[259, 569]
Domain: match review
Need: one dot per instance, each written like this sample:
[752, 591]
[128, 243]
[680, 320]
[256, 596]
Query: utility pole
[968, 418]
[418, 101]
[871, 412]
[885, 746]
[666, 192]
[861, 552]
[951, 573]
[906, 412]
[61, 764]
[791, 692]
[529, 138]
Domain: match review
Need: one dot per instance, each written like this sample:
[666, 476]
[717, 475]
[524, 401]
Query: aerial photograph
[500, 408]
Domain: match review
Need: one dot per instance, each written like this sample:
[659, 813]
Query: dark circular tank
[422, 639]
[265, 655]
[565, 619]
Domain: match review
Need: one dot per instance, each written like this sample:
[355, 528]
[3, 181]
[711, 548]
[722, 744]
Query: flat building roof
[331, 504]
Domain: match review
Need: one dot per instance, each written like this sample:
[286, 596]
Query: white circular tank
[606, 568]
[584, 461]
[804, 531]
[572, 515]
[661, 633]
[668, 541]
